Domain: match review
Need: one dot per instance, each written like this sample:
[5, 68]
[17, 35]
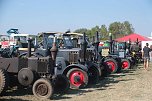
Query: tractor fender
[80, 66]
[93, 65]
[115, 57]
[62, 67]
[104, 58]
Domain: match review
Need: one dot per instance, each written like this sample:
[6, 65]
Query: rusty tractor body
[36, 71]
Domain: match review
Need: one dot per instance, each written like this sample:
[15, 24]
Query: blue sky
[33, 16]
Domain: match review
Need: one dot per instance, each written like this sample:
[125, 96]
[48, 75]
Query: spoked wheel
[61, 84]
[93, 75]
[112, 65]
[4, 81]
[125, 64]
[42, 88]
[78, 78]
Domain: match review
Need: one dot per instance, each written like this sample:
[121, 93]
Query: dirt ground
[129, 85]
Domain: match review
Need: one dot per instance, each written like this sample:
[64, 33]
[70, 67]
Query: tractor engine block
[41, 65]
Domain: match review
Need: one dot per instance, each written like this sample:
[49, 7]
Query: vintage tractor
[75, 63]
[128, 61]
[92, 47]
[115, 60]
[38, 72]
[119, 54]
[108, 64]
[105, 64]
[136, 51]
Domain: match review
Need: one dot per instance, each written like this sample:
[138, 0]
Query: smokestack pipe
[29, 47]
[54, 51]
[83, 49]
[96, 44]
[110, 41]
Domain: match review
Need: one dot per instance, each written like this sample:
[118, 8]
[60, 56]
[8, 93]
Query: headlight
[59, 65]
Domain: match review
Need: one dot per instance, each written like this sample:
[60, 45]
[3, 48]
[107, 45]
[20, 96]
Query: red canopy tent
[133, 37]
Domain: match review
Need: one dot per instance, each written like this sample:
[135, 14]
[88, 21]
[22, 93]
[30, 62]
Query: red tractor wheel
[78, 78]
[125, 64]
[112, 65]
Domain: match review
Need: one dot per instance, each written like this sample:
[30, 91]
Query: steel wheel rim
[41, 89]
[125, 64]
[112, 66]
[74, 75]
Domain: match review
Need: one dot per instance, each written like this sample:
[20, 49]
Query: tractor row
[57, 63]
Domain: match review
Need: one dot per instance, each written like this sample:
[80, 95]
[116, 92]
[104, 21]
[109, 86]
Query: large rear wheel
[61, 84]
[111, 64]
[78, 78]
[4, 81]
[93, 75]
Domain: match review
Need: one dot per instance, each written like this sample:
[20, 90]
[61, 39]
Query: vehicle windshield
[23, 39]
[68, 41]
[50, 41]
[4, 38]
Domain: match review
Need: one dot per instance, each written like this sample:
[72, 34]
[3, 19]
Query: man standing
[146, 56]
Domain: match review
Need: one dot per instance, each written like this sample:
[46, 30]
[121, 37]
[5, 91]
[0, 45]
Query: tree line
[117, 29]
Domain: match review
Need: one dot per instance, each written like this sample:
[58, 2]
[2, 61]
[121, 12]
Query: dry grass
[130, 85]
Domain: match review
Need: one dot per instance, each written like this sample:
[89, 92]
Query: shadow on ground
[100, 85]
[13, 99]
[19, 92]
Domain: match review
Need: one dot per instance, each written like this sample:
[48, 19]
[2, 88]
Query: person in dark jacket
[146, 56]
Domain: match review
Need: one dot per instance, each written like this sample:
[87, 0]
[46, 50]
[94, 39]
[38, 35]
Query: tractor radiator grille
[73, 57]
[89, 55]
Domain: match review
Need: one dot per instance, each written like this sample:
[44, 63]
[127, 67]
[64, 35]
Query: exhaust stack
[96, 44]
[83, 47]
[29, 47]
[54, 51]
[110, 41]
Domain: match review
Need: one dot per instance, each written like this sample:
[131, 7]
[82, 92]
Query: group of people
[146, 55]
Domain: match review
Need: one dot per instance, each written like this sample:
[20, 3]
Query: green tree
[81, 30]
[94, 30]
[114, 28]
[128, 29]
[103, 32]
[119, 29]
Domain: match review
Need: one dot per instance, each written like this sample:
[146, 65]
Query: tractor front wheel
[112, 65]
[125, 64]
[42, 88]
[78, 78]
